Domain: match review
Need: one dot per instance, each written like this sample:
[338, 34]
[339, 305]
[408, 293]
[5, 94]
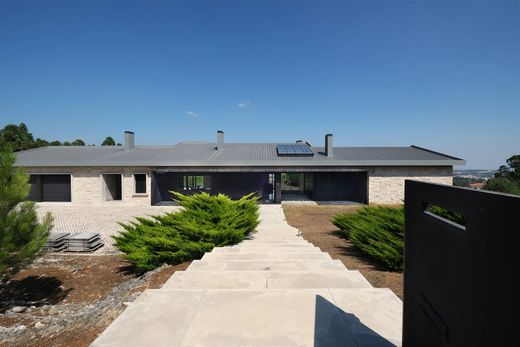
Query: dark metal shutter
[56, 188]
[322, 186]
[35, 194]
[340, 187]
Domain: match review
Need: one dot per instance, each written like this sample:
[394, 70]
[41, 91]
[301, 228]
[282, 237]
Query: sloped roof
[232, 154]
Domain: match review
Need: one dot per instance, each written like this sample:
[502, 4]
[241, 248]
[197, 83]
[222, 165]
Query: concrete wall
[386, 184]
[87, 184]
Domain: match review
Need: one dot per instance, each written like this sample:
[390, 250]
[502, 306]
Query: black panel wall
[340, 186]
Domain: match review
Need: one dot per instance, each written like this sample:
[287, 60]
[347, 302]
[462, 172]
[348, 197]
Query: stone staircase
[273, 290]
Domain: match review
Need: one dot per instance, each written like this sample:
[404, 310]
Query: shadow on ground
[32, 290]
[335, 327]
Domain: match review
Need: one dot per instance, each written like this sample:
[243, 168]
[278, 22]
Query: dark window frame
[138, 185]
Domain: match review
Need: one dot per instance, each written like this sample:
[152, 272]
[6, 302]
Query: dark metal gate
[460, 280]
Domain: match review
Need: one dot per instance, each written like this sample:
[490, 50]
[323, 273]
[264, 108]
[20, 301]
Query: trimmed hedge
[204, 222]
[378, 231]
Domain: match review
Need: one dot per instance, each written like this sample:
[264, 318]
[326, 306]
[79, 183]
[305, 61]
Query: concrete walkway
[274, 290]
[103, 219]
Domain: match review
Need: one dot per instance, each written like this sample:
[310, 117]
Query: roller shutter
[50, 188]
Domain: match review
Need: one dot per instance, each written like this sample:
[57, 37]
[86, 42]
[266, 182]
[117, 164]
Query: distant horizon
[440, 75]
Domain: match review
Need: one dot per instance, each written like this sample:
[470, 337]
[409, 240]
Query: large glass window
[193, 182]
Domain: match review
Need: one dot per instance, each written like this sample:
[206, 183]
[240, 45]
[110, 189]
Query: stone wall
[87, 184]
[386, 184]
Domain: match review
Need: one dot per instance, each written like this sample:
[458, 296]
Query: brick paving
[99, 219]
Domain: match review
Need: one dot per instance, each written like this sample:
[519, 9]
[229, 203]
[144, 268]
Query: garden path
[275, 289]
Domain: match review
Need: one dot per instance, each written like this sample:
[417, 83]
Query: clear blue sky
[439, 74]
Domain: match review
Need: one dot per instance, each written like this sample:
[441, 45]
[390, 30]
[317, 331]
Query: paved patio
[99, 219]
[273, 290]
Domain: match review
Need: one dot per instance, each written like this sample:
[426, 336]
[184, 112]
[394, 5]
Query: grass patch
[377, 231]
[205, 222]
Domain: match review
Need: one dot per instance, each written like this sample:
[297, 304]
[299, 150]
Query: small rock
[20, 328]
[39, 325]
[32, 306]
[18, 309]
[46, 307]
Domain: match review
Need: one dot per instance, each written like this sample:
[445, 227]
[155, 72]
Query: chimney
[220, 139]
[129, 140]
[328, 145]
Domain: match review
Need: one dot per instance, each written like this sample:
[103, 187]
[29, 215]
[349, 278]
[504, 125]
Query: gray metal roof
[204, 154]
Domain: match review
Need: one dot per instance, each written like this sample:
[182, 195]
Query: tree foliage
[109, 141]
[19, 138]
[204, 222]
[507, 178]
[21, 235]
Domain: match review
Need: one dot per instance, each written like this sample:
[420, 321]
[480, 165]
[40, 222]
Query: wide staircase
[275, 289]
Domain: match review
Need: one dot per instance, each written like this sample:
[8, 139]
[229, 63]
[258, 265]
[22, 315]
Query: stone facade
[386, 184]
[87, 183]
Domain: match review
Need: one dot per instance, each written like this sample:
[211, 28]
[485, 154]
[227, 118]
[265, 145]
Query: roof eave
[256, 163]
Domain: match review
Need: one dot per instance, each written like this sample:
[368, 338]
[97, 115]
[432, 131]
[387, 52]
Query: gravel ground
[70, 300]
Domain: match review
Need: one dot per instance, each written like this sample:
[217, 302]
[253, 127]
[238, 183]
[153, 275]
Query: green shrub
[446, 214]
[204, 222]
[377, 231]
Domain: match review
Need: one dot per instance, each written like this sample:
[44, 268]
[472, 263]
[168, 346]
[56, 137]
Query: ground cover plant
[378, 231]
[204, 222]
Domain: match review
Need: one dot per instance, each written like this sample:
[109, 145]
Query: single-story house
[131, 174]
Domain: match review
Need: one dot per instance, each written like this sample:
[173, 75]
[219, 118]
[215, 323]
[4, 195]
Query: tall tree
[22, 237]
[109, 141]
[17, 136]
[78, 142]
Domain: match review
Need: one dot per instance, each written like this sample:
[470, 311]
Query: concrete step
[265, 279]
[274, 244]
[266, 265]
[265, 256]
[281, 243]
[297, 317]
[269, 238]
[246, 249]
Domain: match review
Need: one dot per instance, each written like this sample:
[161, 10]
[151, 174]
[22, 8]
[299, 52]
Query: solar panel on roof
[294, 150]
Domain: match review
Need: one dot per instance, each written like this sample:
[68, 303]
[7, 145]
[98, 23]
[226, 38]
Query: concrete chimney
[328, 145]
[129, 140]
[220, 139]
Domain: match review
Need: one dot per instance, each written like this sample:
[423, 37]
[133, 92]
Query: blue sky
[438, 74]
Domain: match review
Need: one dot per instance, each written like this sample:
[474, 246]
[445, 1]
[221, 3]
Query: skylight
[294, 151]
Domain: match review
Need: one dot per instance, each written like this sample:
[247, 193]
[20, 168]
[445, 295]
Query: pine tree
[22, 237]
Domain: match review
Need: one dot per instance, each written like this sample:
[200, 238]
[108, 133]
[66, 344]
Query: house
[133, 174]
[477, 185]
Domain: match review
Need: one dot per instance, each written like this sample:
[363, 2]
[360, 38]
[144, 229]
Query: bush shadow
[32, 291]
